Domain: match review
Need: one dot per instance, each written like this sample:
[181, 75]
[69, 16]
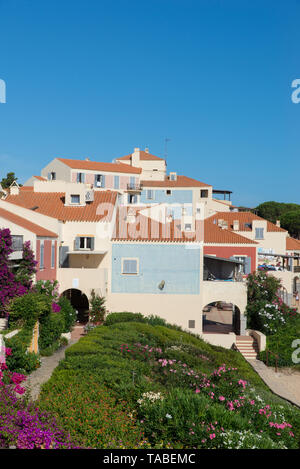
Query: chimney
[278, 223]
[236, 225]
[220, 222]
[135, 157]
[87, 159]
[147, 150]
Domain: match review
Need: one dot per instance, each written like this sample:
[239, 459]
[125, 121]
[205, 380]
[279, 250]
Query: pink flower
[222, 398]
[212, 436]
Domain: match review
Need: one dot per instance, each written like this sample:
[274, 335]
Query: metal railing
[134, 187]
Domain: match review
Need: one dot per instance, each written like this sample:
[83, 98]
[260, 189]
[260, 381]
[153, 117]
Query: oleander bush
[177, 390]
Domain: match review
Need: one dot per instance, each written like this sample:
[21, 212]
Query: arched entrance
[80, 303]
[296, 285]
[220, 317]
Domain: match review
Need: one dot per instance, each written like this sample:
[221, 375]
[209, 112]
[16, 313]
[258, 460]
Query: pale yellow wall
[63, 172]
[19, 231]
[46, 222]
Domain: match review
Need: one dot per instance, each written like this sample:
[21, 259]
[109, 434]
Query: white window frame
[74, 195]
[151, 191]
[244, 256]
[263, 233]
[85, 248]
[130, 259]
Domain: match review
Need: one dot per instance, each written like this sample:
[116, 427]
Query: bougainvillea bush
[180, 391]
[9, 286]
[24, 426]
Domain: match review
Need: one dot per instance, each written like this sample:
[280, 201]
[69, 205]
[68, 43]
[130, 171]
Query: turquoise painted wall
[159, 196]
[178, 266]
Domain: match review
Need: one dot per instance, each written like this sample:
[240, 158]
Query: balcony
[218, 269]
[134, 187]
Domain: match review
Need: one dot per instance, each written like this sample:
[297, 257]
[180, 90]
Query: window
[130, 266]
[75, 199]
[149, 194]
[52, 254]
[17, 243]
[99, 180]
[41, 255]
[52, 176]
[168, 192]
[85, 243]
[117, 182]
[132, 199]
[191, 324]
[80, 177]
[259, 233]
[241, 267]
[204, 193]
[188, 227]
[173, 176]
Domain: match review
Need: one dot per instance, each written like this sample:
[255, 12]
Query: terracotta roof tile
[244, 218]
[28, 225]
[147, 229]
[52, 205]
[144, 156]
[181, 181]
[292, 244]
[98, 166]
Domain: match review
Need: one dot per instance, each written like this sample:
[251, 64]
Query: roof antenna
[166, 147]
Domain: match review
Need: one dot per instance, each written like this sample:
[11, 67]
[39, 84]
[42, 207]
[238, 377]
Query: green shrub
[68, 313]
[113, 318]
[20, 360]
[51, 328]
[27, 309]
[86, 409]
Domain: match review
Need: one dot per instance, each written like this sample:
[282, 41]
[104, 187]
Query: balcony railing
[134, 187]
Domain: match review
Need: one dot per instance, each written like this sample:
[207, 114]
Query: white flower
[168, 416]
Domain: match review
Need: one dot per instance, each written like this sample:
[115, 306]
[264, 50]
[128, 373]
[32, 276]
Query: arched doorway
[80, 303]
[220, 317]
[296, 285]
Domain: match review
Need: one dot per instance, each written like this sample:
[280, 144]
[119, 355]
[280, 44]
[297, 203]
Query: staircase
[3, 324]
[248, 347]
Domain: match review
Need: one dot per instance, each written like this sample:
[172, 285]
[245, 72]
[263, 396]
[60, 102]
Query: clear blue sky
[97, 78]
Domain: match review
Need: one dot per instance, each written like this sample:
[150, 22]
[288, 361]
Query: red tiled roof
[292, 244]
[213, 234]
[147, 229]
[98, 166]
[181, 181]
[40, 178]
[244, 218]
[28, 225]
[52, 205]
[144, 156]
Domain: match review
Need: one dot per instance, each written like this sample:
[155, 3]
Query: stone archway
[220, 317]
[80, 303]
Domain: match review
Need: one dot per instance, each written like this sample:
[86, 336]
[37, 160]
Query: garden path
[44, 372]
[285, 383]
